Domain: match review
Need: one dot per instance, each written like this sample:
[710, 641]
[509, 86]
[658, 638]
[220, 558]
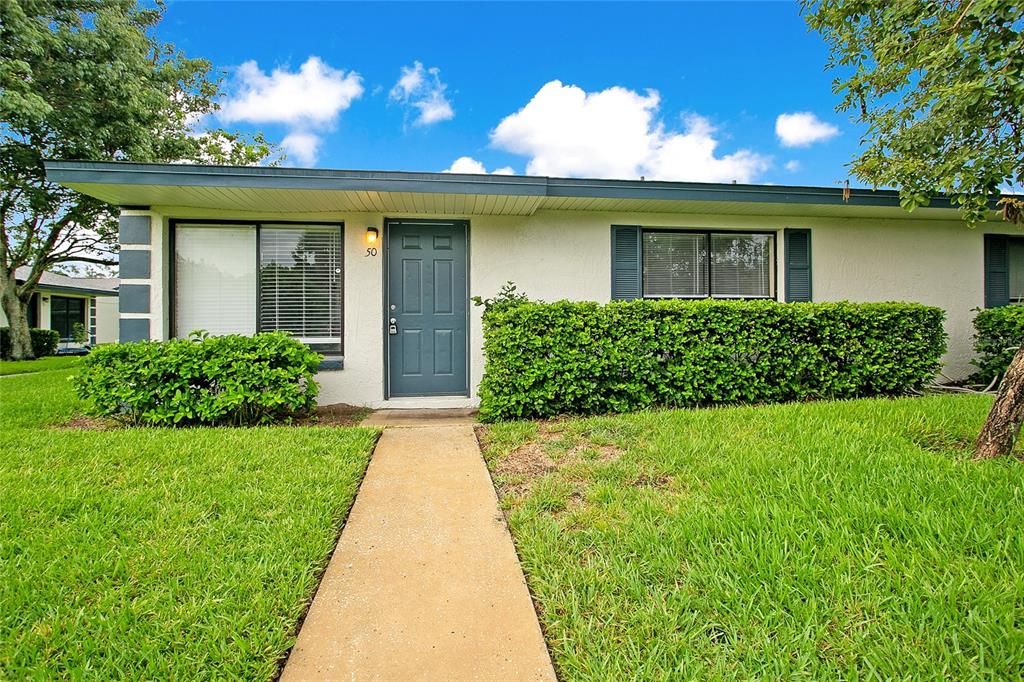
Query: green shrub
[213, 380]
[44, 342]
[508, 297]
[998, 332]
[546, 359]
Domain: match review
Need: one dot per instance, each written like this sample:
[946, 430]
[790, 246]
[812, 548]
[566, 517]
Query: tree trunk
[16, 311]
[1000, 431]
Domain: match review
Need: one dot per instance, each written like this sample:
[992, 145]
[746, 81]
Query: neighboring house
[61, 302]
[375, 269]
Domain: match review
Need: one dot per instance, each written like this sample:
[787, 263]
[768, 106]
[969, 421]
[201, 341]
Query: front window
[300, 283]
[686, 264]
[1015, 256]
[241, 279]
[65, 314]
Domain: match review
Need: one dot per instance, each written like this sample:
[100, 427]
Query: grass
[41, 365]
[160, 554]
[849, 540]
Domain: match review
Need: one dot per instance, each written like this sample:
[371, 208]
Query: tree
[940, 89]
[87, 79]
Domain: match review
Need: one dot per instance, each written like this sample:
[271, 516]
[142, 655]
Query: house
[375, 269]
[62, 303]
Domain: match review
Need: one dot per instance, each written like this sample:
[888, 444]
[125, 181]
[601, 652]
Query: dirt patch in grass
[86, 423]
[515, 473]
[338, 414]
[551, 449]
[528, 460]
[647, 481]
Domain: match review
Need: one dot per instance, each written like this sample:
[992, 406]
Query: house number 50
[371, 252]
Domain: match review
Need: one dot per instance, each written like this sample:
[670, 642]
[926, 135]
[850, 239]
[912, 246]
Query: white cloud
[306, 101]
[302, 146]
[803, 128]
[312, 96]
[421, 88]
[690, 155]
[615, 133]
[467, 164]
[792, 166]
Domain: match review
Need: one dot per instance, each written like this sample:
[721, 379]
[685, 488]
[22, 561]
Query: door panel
[427, 298]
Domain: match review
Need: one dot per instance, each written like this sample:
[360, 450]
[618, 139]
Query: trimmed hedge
[545, 359]
[44, 342]
[998, 331]
[217, 380]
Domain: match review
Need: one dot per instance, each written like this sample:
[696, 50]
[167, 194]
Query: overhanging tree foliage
[87, 79]
[940, 88]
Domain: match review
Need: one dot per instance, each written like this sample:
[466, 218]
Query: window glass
[300, 283]
[1016, 261]
[680, 264]
[675, 265]
[741, 265]
[65, 313]
[215, 279]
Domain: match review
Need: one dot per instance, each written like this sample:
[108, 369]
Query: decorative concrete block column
[137, 234]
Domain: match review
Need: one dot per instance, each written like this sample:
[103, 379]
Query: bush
[546, 359]
[214, 380]
[508, 297]
[998, 332]
[44, 342]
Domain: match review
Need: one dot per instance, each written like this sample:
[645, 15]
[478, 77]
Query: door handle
[392, 327]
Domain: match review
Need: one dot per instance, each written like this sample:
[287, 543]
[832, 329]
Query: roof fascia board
[56, 288]
[258, 177]
[64, 172]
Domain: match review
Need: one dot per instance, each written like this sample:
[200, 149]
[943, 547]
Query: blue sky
[686, 91]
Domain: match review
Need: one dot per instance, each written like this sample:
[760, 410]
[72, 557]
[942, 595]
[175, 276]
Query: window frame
[81, 303]
[774, 234]
[257, 225]
[1018, 241]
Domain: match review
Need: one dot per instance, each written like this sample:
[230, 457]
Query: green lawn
[159, 554]
[40, 365]
[850, 540]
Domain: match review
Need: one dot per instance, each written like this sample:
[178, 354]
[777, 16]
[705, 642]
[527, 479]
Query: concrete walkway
[425, 583]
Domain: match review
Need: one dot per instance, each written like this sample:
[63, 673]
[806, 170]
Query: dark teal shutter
[997, 270]
[798, 265]
[626, 279]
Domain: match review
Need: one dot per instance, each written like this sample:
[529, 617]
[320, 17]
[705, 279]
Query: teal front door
[425, 308]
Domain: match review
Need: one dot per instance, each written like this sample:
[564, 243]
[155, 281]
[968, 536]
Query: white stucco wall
[567, 255]
[106, 319]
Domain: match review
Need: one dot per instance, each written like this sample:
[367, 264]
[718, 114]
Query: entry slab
[425, 583]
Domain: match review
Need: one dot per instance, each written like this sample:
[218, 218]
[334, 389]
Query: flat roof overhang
[81, 291]
[305, 190]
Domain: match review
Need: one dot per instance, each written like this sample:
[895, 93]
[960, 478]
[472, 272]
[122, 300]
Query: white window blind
[687, 264]
[741, 265]
[301, 283]
[675, 265]
[215, 279]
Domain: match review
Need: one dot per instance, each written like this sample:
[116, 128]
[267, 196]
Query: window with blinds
[214, 279]
[301, 283]
[1015, 263]
[687, 264]
[741, 266]
[675, 265]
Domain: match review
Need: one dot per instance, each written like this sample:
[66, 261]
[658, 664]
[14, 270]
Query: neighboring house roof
[53, 281]
[258, 188]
